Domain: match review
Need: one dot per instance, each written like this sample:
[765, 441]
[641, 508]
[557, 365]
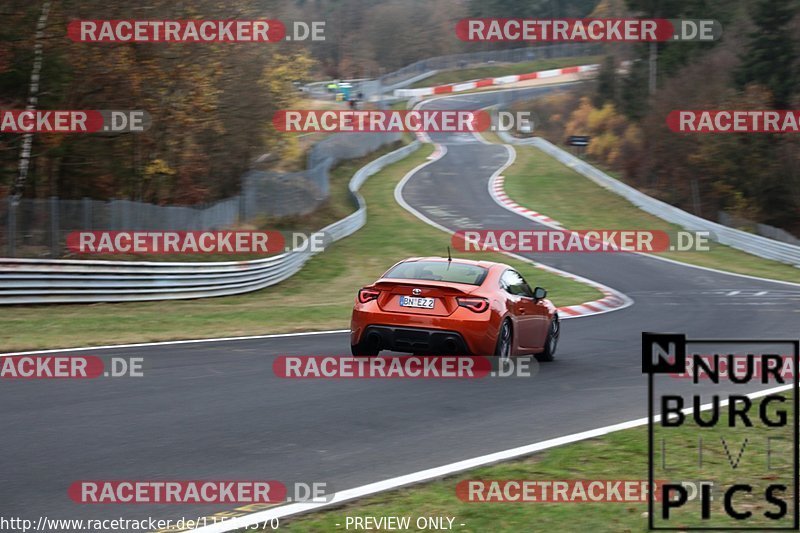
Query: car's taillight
[478, 305]
[367, 295]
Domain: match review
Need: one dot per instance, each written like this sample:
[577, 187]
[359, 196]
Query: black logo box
[665, 342]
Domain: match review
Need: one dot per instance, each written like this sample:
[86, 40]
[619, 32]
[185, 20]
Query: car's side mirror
[539, 293]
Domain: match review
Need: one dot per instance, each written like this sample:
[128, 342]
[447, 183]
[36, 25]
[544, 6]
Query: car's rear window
[439, 271]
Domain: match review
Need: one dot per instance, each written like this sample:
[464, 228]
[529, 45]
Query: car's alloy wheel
[503, 350]
[551, 343]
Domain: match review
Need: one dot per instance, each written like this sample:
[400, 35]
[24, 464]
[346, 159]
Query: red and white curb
[438, 151]
[612, 299]
[499, 194]
[490, 82]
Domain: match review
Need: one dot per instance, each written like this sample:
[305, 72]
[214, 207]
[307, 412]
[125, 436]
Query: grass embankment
[539, 182]
[503, 69]
[319, 297]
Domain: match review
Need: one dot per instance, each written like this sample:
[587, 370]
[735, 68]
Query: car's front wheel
[551, 342]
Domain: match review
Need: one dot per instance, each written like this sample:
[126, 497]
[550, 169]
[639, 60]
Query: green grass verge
[319, 297]
[617, 456]
[504, 69]
[339, 203]
[539, 182]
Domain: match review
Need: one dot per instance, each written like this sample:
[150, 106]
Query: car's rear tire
[504, 339]
[359, 350]
[551, 342]
[368, 347]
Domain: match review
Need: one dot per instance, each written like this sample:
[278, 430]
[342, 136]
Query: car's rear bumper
[463, 333]
[416, 340]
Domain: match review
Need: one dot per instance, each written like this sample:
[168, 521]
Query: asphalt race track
[215, 411]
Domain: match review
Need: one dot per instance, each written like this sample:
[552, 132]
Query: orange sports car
[436, 305]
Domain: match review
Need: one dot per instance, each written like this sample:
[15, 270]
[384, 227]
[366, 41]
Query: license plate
[413, 301]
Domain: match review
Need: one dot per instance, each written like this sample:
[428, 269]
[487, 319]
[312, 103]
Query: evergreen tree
[769, 58]
[633, 91]
[606, 83]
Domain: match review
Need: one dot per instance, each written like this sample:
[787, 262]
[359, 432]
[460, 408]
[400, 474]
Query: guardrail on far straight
[741, 240]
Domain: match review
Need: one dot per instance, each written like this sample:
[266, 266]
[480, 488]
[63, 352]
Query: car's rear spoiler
[461, 288]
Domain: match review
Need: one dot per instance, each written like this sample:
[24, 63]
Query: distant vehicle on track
[437, 305]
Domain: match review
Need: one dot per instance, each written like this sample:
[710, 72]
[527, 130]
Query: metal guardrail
[403, 77]
[741, 240]
[470, 59]
[45, 281]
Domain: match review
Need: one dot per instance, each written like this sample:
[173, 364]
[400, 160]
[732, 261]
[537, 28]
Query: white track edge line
[431, 474]
[184, 341]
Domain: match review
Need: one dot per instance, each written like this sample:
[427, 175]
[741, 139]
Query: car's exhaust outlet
[374, 341]
[450, 346]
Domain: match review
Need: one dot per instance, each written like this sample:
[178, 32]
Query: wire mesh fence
[765, 230]
[38, 227]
